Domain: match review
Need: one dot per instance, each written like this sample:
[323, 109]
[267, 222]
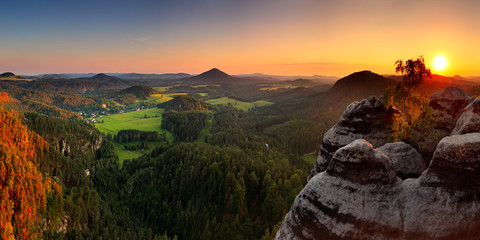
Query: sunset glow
[272, 36]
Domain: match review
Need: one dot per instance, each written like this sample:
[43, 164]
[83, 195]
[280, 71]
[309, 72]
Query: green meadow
[133, 120]
[238, 104]
[311, 158]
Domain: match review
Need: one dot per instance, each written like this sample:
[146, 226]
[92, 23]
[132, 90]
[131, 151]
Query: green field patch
[203, 94]
[124, 154]
[225, 101]
[160, 98]
[163, 97]
[162, 89]
[133, 120]
[311, 158]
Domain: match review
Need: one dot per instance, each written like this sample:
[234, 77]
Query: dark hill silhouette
[7, 74]
[104, 77]
[359, 85]
[215, 73]
[97, 82]
[214, 76]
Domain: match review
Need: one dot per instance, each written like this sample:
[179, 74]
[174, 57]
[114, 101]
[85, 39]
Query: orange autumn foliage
[4, 98]
[23, 189]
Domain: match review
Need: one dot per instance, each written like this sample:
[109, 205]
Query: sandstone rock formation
[367, 119]
[404, 160]
[448, 105]
[360, 197]
[356, 191]
[469, 121]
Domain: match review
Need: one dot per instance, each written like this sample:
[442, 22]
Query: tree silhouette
[403, 95]
[414, 72]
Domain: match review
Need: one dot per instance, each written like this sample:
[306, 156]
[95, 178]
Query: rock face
[64, 148]
[469, 121]
[448, 105]
[404, 160]
[367, 119]
[360, 197]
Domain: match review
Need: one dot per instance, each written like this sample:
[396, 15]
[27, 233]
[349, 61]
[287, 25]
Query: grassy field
[238, 104]
[312, 158]
[160, 98]
[163, 97]
[133, 120]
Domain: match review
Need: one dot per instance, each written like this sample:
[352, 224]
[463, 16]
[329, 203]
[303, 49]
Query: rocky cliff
[365, 188]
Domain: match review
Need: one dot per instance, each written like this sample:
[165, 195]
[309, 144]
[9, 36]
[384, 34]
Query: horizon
[305, 38]
[473, 77]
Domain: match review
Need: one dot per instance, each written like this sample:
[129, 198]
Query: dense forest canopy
[195, 171]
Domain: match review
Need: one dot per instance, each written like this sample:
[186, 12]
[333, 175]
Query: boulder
[448, 105]
[455, 163]
[367, 119]
[404, 160]
[359, 196]
[469, 121]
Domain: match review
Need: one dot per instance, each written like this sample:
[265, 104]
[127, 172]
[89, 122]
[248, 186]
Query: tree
[404, 96]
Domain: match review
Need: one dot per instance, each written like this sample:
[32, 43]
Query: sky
[285, 37]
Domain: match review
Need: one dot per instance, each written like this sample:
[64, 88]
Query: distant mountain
[63, 75]
[214, 76]
[97, 82]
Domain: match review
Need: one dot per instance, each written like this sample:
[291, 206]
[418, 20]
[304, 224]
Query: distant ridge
[214, 76]
[152, 76]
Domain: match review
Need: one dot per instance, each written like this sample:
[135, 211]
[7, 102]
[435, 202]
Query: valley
[149, 156]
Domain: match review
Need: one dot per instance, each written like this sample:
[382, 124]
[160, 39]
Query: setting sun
[440, 63]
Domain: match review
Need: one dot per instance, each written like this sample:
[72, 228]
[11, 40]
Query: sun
[440, 63]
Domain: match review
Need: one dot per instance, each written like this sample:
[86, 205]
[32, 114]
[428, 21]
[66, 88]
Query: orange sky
[304, 37]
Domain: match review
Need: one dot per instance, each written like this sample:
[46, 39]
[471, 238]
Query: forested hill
[185, 103]
[139, 91]
[24, 191]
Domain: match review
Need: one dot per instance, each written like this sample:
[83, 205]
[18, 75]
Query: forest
[199, 171]
[238, 183]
